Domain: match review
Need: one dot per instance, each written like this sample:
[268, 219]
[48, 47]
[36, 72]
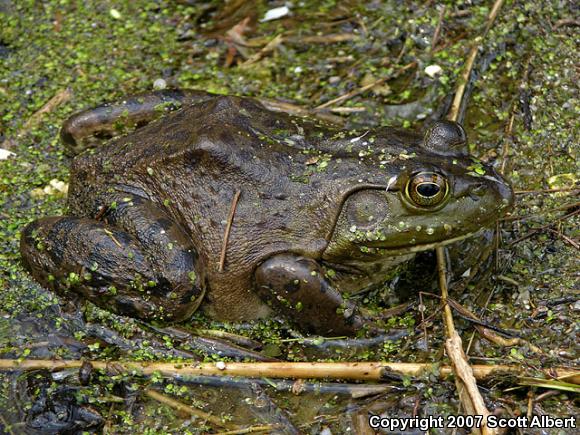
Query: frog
[222, 204]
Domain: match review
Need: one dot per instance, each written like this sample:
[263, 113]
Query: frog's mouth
[410, 249]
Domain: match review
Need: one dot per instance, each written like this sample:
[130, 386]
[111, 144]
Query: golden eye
[427, 189]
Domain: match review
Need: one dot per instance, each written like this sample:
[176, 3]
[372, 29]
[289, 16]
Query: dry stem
[362, 371]
[362, 89]
[228, 229]
[454, 111]
[181, 407]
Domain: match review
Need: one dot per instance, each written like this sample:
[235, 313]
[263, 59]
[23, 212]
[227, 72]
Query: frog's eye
[427, 189]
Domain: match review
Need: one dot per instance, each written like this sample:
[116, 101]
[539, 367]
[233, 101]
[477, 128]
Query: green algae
[103, 51]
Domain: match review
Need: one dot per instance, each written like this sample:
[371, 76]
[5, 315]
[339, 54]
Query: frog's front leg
[134, 261]
[81, 130]
[296, 287]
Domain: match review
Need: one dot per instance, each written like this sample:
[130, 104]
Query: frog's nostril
[477, 191]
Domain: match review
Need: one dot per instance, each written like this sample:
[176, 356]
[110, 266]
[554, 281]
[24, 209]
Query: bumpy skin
[148, 211]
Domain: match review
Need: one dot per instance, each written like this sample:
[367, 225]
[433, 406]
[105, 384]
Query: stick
[270, 46]
[362, 89]
[181, 407]
[465, 380]
[293, 109]
[566, 189]
[228, 229]
[543, 227]
[251, 429]
[457, 100]
[59, 98]
[442, 270]
[437, 32]
[362, 371]
[487, 331]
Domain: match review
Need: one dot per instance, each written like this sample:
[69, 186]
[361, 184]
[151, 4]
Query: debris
[276, 13]
[433, 70]
[270, 47]
[362, 89]
[559, 181]
[54, 187]
[381, 89]
[159, 84]
[188, 410]
[4, 154]
[115, 14]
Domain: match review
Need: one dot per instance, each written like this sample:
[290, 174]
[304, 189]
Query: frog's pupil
[428, 190]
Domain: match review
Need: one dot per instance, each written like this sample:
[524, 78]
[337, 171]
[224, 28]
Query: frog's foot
[296, 287]
[138, 264]
[83, 129]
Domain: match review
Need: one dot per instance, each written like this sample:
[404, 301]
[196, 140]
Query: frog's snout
[507, 195]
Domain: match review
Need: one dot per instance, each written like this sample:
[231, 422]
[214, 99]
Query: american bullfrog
[249, 212]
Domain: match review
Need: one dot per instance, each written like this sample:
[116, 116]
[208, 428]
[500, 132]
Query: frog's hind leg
[88, 128]
[138, 263]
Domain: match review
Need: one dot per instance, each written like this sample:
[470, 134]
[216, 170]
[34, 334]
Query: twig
[465, 378]
[552, 210]
[181, 407]
[458, 98]
[465, 381]
[294, 109]
[509, 280]
[530, 404]
[505, 146]
[422, 311]
[543, 227]
[362, 371]
[565, 238]
[437, 31]
[566, 189]
[566, 22]
[347, 110]
[442, 270]
[492, 15]
[268, 48]
[546, 395]
[59, 98]
[324, 39]
[251, 429]
[365, 88]
[228, 229]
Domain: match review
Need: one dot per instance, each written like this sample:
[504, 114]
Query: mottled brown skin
[148, 211]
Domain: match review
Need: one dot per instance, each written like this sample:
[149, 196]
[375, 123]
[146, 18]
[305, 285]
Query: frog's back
[292, 174]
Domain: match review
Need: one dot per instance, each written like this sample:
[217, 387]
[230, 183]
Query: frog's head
[435, 195]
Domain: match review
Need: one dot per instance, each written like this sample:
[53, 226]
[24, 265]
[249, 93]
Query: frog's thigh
[110, 267]
[296, 287]
[135, 111]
